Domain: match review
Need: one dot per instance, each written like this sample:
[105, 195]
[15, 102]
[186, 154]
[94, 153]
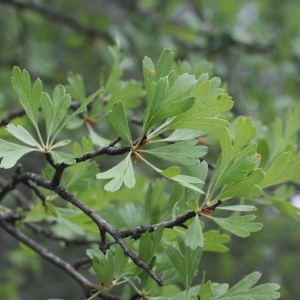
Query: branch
[12, 115]
[60, 18]
[86, 284]
[150, 228]
[102, 224]
[12, 184]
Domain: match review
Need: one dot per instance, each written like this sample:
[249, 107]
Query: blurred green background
[254, 46]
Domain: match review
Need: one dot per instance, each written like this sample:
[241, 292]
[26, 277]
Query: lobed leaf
[239, 226]
[29, 98]
[121, 173]
[245, 290]
[23, 135]
[185, 261]
[56, 109]
[118, 120]
[185, 152]
[213, 241]
[11, 153]
[194, 235]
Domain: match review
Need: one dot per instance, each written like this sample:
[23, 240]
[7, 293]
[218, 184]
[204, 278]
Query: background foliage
[252, 45]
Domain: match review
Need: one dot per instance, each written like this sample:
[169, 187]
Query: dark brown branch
[150, 228]
[102, 224]
[14, 114]
[12, 184]
[60, 18]
[86, 284]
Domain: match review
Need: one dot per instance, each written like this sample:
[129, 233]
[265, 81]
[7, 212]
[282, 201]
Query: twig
[150, 228]
[12, 115]
[102, 225]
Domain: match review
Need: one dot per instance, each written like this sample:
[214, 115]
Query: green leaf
[239, 226]
[29, 98]
[185, 261]
[245, 290]
[235, 161]
[118, 120]
[183, 135]
[149, 76]
[205, 292]
[103, 266]
[199, 172]
[194, 235]
[198, 116]
[76, 87]
[283, 169]
[245, 187]
[170, 172]
[123, 172]
[23, 135]
[120, 262]
[185, 152]
[55, 110]
[213, 241]
[164, 64]
[237, 208]
[62, 157]
[11, 153]
[61, 144]
[168, 103]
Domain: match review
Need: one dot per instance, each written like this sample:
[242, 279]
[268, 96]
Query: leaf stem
[94, 296]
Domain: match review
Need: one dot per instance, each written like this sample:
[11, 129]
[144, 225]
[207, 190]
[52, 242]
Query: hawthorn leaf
[103, 266]
[76, 87]
[61, 143]
[118, 120]
[186, 153]
[120, 262]
[29, 98]
[185, 260]
[283, 169]
[55, 110]
[23, 135]
[121, 173]
[213, 241]
[169, 102]
[245, 187]
[164, 64]
[200, 171]
[237, 208]
[202, 117]
[11, 153]
[205, 291]
[245, 290]
[149, 76]
[183, 135]
[239, 226]
[170, 172]
[194, 235]
[63, 157]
